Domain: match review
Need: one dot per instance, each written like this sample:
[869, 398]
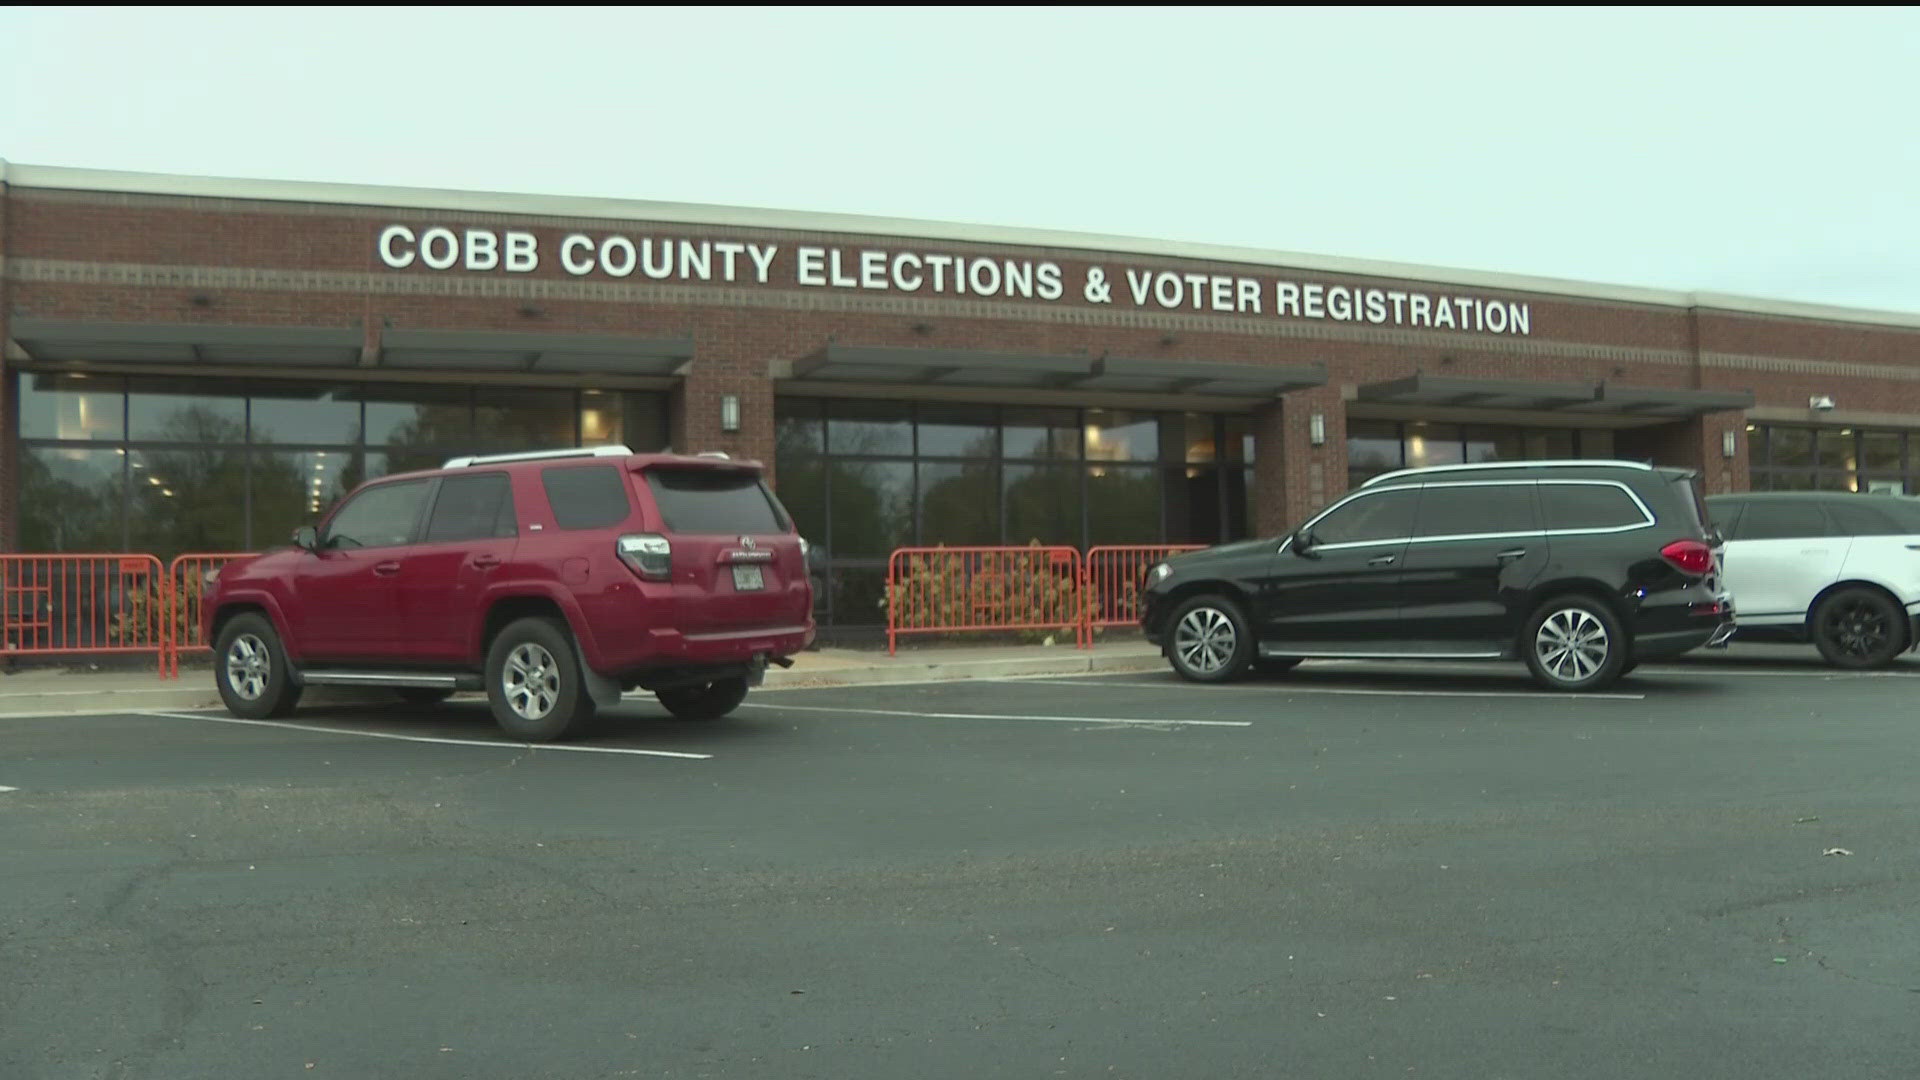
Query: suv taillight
[1691, 556]
[649, 554]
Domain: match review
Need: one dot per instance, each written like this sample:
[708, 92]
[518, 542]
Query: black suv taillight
[1689, 556]
[649, 554]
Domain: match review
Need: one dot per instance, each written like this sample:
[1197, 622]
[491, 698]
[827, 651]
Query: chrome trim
[537, 455]
[369, 678]
[1649, 519]
[1426, 470]
[1276, 651]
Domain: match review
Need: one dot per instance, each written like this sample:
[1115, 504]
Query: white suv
[1842, 570]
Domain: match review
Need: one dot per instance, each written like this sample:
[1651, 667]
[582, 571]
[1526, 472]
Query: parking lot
[1352, 870]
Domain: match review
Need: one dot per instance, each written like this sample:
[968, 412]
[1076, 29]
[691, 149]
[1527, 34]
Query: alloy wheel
[1857, 628]
[248, 666]
[530, 681]
[1571, 645]
[1205, 640]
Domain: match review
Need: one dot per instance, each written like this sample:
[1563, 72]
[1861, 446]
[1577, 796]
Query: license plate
[748, 579]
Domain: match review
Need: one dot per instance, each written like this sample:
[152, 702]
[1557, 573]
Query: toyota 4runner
[553, 580]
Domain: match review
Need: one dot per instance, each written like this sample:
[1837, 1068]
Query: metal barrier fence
[186, 577]
[63, 604]
[1115, 575]
[936, 590]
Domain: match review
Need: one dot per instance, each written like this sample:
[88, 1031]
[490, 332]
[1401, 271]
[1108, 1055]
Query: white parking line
[1291, 688]
[4, 788]
[1002, 716]
[570, 747]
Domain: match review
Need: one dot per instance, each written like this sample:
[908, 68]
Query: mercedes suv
[555, 581]
[1582, 569]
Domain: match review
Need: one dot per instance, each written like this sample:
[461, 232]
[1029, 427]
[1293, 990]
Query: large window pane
[603, 418]
[291, 488]
[1123, 503]
[646, 430]
[304, 413]
[385, 515]
[872, 507]
[520, 418]
[404, 416]
[1495, 444]
[1188, 437]
[1041, 433]
[957, 431]
[1549, 445]
[868, 427]
[1373, 447]
[1880, 451]
[71, 407]
[1835, 449]
[1240, 519]
[1043, 504]
[184, 410]
[799, 427]
[1596, 443]
[1792, 447]
[70, 499]
[188, 500]
[1433, 444]
[1239, 441]
[959, 503]
[1113, 435]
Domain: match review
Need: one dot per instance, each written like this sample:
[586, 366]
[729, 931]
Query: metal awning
[60, 340]
[1031, 371]
[1602, 398]
[483, 350]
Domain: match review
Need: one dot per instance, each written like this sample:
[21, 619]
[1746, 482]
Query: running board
[399, 679]
[1277, 652]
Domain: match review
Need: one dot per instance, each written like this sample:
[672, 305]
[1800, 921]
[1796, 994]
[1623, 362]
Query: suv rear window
[1565, 505]
[586, 496]
[714, 502]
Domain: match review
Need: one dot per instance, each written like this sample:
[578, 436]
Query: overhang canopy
[484, 350]
[60, 340]
[1602, 398]
[973, 368]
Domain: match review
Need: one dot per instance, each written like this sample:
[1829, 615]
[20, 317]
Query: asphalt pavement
[1355, 870]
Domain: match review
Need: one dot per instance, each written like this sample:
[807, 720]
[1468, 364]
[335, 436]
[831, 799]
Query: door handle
[486, 562]
[1381, 560]
[1510, 554]
[386, 569]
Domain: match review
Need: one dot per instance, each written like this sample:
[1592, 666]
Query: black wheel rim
[1858, 628]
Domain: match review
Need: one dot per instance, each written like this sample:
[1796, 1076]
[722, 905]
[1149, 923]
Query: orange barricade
[58, 604]
[1114, 577]
[941, 590]
[186, 578]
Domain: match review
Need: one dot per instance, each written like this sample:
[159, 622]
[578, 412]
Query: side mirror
[306, 538]
[1303, 544]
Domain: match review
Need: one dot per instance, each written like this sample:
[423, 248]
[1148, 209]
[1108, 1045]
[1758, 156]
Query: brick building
[197, 364]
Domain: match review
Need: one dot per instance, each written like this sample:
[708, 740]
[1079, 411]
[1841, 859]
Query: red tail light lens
[1690, 556]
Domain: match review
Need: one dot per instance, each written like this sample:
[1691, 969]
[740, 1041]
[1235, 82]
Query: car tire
[251, 671]
[422, 697]
[1574, 643]
[1858, 628]
[704, 701]
[534, 684]
[1209, 641]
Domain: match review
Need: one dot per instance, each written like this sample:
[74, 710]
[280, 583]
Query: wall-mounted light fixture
[730, 412]
[1317, 428]
[1726, 443]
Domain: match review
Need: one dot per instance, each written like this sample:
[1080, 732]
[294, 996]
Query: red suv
[554, 580]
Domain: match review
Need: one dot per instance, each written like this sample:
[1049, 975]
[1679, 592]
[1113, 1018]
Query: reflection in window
[1123, 503]
[294, 488]
[602, 419]
[71, 407]
[1433, 444]
[1113, 435]
[871, 503]
[959, 503]
[1373, 447]
[1040, 433]
[303, 413]
[1043, 504]
[163, 410]
[188, 499]
[403, 416]
[799, 428]
[869, 427]
[70, 499]
[956, 431]
[509, 419]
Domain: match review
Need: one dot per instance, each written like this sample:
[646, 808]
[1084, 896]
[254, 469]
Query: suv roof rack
[721, 454]
[1428, 469]
[536, 455]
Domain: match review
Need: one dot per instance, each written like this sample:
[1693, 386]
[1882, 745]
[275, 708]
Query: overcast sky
[1769, 153]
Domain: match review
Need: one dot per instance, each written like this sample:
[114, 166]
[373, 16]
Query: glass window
[1588, 506]
[407, 416]
[1882, 451]
[713, 502]
[1373, 447]
[1549, 445]
[1792, 447]
[1496, 444]
[1835, 449]
[871, 507]
[1239, 440]
[1123, 503]
[1756, 445]
[1240, 519]
[1862, 518]
[869, 427]
[524, 418]
[1781, 520]
[1475, 509]
[190, 499]
[799, 427]
[957, 431]
[1113, 435]
[1040, 433]
[603, 418]
[1188, 437]
[1433, 444]
[71, 407]
[184, 410]
[304, 413]
[801, 484]
[645, 429]
[959, 503]
[586, 496]
[70, 499]
[1043, 504]
[1385, 515]
[473, 507]
[291, 488]
[380, 516]
[1596, 443]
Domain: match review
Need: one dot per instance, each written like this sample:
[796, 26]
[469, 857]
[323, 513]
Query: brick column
[1292, 477]
[718, 371]
[1694, 444]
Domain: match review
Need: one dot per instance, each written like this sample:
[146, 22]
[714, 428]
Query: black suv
[1581, 568]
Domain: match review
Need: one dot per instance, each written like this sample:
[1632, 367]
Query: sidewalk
[51, 691]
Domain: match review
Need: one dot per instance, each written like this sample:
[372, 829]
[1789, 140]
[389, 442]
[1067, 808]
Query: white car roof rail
[537, 455]
[721, 454]
[1429, 469]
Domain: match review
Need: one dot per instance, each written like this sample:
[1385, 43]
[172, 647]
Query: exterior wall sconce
[1317, 428]
[730, 412]
[1726, 443]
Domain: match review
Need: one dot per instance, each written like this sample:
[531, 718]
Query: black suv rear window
[586, 497]
[1567, 505]
[714, 502]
